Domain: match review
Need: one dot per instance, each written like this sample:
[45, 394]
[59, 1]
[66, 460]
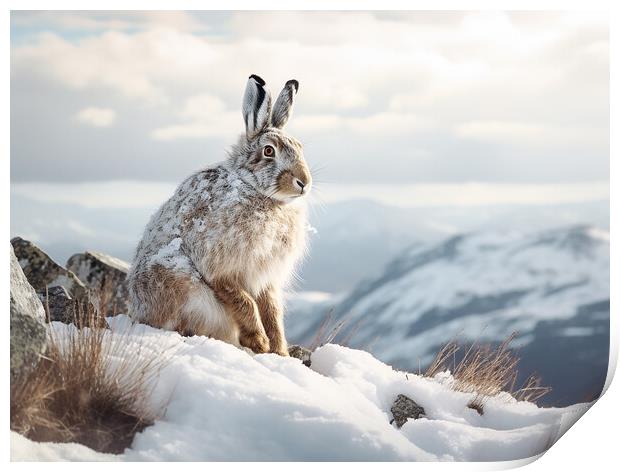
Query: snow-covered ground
[551, 287]
[222, 403]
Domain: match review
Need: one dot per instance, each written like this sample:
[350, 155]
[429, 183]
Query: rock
[405, 408]
[61, 307]
[58, 304]
[301, 353]
[41, 271]
[28, 332]
[106, 277]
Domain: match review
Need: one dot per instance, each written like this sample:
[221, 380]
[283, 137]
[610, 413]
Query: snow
[172, 257]
[308, 299]
[218, 402]
[23, 449]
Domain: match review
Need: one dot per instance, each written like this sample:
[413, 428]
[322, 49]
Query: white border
[591, 444]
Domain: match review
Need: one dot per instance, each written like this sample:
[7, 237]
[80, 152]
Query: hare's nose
[300, 184]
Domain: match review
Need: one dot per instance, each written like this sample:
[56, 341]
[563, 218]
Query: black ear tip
[258, 79]
[294, 83]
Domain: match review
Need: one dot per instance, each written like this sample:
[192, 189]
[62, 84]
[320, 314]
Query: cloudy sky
[385, 98]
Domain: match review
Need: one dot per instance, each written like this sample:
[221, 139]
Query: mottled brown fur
[272, 316]
[244, 310]
[215, 257]
[168, 292]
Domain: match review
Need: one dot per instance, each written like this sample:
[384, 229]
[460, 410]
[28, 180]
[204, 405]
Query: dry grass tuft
[332, 330]
[531, 390]
[85, 389]
[486, 371]
[327, 330]
[477, 404]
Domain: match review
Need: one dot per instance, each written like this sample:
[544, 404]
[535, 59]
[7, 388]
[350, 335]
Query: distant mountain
[63, 229]
[356, 238]
[551, 286]
[352, 240]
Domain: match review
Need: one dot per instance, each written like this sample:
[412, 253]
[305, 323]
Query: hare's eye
[269, 151]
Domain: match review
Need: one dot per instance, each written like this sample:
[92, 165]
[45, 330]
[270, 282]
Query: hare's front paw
[281, 352]
[278, 347]
[257, 341]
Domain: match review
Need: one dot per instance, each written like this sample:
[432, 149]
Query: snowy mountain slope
[550, 286]
[356, 237]
[346, 230]
[222, 403]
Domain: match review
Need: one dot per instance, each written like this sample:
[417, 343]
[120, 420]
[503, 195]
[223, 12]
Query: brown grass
[85, 389]
[327, 330]
[483, 369]
[332, 328]
[486, 371]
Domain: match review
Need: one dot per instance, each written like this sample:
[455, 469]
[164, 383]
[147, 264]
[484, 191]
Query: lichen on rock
[43, 273]
[28, 331]
[405, 408]
[105, 276]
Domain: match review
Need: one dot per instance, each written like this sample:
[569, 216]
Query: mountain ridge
[481, 287]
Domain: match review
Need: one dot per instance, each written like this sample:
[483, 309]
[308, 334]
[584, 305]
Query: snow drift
[218, 402]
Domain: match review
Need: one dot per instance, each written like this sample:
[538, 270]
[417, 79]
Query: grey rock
[42, 272]
[301, 353]
[106, 277]
[58, 304]
[404, 408]
[61, 307]
[28, 332]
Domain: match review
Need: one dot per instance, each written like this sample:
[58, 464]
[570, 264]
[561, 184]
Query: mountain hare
[214, 258]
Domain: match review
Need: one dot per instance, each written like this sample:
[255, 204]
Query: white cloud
[498, 130]
[382, 124]
[317, 123]
[207, 116]
[462, 83]
[224, 127]
[97, 117]
[110, 194]
[107, 20]
[344, 61]
[534, 135]
[342, 97]
[203, 106]
[203, 116]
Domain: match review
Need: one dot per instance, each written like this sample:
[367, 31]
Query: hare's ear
[256, 106]
[284, 104]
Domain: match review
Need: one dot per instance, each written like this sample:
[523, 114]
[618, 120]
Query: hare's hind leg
[203, 314]
[243, 309]
[178, 302]
[157, 296]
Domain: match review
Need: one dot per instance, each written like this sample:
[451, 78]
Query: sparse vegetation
[330, 329]
[327, 330]
[85, 389]
[483, 370]
[486, 371]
